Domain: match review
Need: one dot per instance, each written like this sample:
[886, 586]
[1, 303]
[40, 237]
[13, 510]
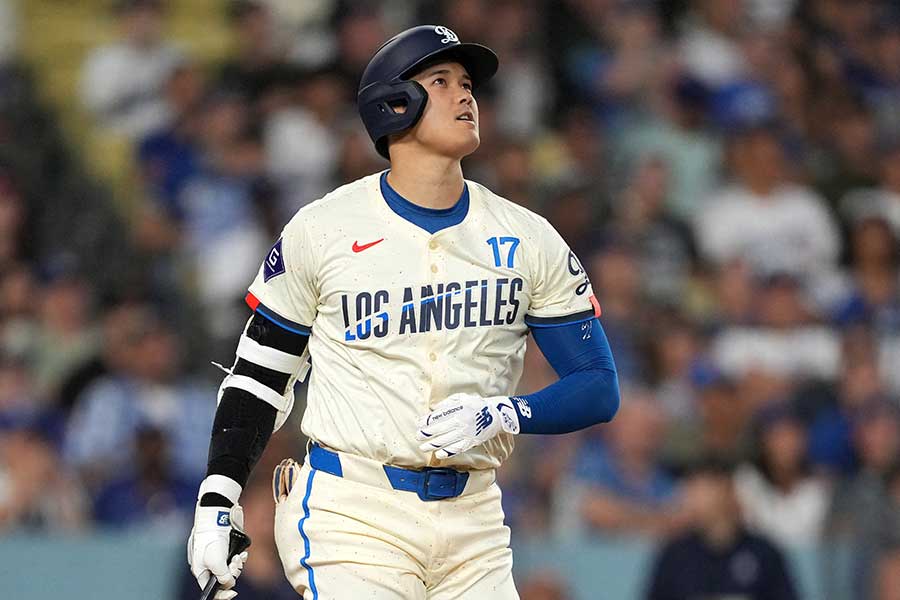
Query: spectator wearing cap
[122, 82]
[779, 496]
[723, 424]
[718, 557]
[763, 218]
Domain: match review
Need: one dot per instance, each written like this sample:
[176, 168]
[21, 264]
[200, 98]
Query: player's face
[449, 125]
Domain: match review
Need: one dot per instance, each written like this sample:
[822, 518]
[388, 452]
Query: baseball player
[411, 293]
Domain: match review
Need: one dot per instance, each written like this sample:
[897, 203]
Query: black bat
[238, 541]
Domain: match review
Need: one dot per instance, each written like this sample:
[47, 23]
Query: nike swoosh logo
[358, 248]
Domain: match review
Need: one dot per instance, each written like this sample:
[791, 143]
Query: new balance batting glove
[208, 547]
[464, 421]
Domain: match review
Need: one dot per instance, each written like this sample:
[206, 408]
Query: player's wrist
[504, 406]
[214, 499]
[219, 490]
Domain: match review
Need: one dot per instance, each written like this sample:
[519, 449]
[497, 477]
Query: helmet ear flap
[377, 106]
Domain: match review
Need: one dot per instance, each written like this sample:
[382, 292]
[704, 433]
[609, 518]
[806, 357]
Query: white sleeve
[825, 236]
[716, 238]
[100, 83]
[285, 288]
[561, 290]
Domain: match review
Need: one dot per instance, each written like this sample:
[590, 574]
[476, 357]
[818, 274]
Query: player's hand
[464, 421]
[207, 547]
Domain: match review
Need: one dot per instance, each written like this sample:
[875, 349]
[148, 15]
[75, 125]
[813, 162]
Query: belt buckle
[425, 491]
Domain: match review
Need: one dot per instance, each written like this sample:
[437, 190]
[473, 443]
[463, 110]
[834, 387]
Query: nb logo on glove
[464, 421]
[223, 520]
[483, 420]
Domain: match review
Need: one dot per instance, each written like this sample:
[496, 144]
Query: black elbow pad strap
[270, 378]
[267, 333]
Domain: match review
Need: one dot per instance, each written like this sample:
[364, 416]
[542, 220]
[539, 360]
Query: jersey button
[432, 357]
[434, 268]
[433, 245]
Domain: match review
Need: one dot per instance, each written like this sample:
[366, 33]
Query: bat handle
[238, 542]
[210, 589]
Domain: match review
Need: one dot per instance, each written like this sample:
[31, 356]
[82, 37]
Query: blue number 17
[495, 245]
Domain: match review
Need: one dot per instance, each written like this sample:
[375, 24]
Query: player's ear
[398, 106]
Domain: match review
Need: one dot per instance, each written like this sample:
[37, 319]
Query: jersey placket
[435, 359]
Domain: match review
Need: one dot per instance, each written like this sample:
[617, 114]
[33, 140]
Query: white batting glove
[464, 421]
[207, 547]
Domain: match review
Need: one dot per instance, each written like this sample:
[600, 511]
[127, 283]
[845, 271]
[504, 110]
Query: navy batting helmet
[385, 82]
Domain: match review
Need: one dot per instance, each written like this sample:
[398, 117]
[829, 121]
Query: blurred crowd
[727, 170]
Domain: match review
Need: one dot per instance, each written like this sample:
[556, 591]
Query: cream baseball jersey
[400, 318]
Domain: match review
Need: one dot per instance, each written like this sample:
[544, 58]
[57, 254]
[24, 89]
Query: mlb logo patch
[274, 263]
[223, 520]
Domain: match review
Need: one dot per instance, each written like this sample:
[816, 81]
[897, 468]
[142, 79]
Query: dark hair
[765, 419]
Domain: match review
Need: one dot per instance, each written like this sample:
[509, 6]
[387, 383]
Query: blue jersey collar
[430, 219]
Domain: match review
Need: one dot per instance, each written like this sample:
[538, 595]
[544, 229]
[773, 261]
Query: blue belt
[430, 483]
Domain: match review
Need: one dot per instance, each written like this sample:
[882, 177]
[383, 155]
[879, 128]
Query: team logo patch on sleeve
[274, 263]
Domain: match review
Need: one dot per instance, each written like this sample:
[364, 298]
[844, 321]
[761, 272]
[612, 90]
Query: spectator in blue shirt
[617, 484]
[145, 390]
[149, 494]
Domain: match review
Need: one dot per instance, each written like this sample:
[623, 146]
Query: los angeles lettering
[444, 306]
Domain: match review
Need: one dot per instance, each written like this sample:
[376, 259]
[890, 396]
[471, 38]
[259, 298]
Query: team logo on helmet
[449, 36]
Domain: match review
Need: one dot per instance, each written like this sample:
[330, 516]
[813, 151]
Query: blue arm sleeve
[587, 392]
